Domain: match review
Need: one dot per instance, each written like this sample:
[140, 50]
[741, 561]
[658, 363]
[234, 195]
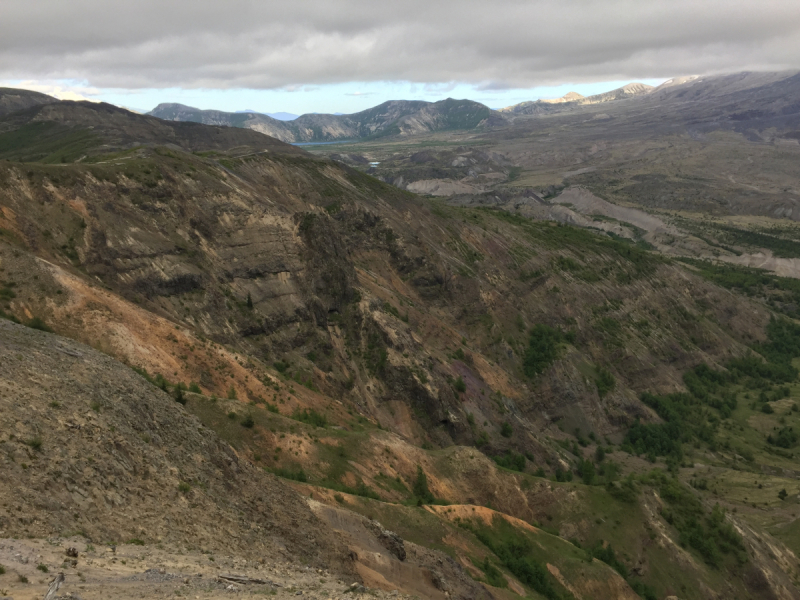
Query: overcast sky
[329, 55]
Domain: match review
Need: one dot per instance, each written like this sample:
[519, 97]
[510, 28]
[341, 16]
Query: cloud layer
[508, 43]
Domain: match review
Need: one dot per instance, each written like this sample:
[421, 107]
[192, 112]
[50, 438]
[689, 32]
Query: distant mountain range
[396, 117]
[574, 99]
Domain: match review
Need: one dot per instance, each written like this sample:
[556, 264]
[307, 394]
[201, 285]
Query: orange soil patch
[469, 511]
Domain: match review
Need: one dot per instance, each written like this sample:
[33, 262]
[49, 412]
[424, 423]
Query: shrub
[587, 471]
[710, 535]
[542, 351]
[184, 488]
[248, 422]
[2, 570]
[232, 393]
[420, 488]
[514, 550]
[493, 575]
[285, 473]
[310, 416]
[511, 460]
[624, 491]
[506, 430]
[599, 454]
[38, 323]
[43, 568]
[459, 385]
[194, 388]
[178, 395]
[785, 438]
[604, 380]
[766, 408]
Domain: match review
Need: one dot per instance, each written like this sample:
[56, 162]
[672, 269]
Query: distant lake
[320, 143]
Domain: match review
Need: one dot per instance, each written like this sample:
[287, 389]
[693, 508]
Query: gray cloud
[505, 44]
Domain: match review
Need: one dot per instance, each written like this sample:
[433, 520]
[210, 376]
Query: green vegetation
[493, 575]
[511, 460]
[686, 415]
[178, 395]
[420, 488]
[710, 535]
[310, 416]
[782, 293]
[47, 142]
[543, 349]
[514, 550]
[38, 323]
[288, 473]
[785, 438]
[604, 380]
[634, 262]
[780, 247]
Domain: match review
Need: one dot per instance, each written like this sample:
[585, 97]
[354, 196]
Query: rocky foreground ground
[156, 571]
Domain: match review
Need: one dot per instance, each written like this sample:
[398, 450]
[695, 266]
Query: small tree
[506, 430]
[179, 397]
[782, 494]
[232, 393]
[249, 301]
[420, 487]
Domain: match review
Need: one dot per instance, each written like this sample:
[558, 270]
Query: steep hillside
[90, 446]
[388, 352]
[396, 117]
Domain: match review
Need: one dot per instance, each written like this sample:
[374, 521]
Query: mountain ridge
[394, 117]
[573, 100]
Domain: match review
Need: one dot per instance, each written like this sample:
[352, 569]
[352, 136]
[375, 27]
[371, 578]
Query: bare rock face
[388, 539]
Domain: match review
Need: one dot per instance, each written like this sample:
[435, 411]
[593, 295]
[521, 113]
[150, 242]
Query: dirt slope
[90, 446]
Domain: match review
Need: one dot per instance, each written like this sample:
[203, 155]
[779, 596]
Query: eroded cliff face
[374, 296]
